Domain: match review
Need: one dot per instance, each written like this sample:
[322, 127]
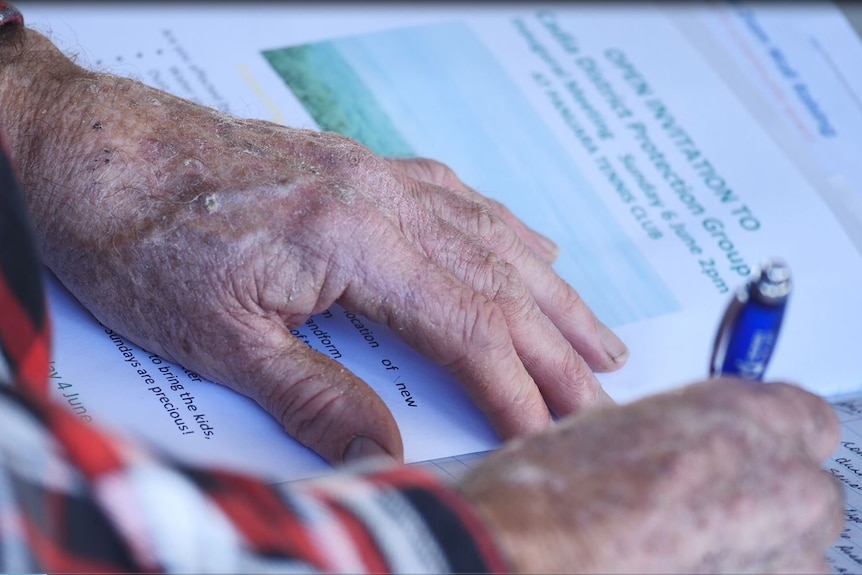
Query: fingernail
[613, 345]
[362, 447]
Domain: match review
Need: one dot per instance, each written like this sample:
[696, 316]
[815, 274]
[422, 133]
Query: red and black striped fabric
[24, 326]
[74, 498]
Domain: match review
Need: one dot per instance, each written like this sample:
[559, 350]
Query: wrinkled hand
[205, 239]
[723, 476]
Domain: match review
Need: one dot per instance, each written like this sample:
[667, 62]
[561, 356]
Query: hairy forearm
[37, 108]
[74, 135]
[103, 158]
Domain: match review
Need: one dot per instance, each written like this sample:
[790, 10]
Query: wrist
[37, 104]
[34, 80]
[72, 134]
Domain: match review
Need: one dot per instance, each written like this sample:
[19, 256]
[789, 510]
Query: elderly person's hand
[722, 476]
[205, 238]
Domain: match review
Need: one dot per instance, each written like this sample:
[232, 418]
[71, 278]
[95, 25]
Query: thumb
[320, 403]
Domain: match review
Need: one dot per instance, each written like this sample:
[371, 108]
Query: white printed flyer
[635, 138]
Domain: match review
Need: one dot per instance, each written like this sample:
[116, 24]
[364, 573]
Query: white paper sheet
[625, 133]
[845, 556]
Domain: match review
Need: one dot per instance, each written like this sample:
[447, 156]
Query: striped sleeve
[24, 326]
[74, 499]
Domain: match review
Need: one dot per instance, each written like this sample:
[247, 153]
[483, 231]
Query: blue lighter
[749, 329]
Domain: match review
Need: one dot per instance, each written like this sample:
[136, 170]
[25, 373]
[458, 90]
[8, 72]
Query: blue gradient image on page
[437, 91]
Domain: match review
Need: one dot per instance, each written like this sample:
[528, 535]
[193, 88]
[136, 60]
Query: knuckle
[580, 376]
[437, 173]
[505, 286]
[562, 296]
[486, 224]
[307, 408]
[485, 322]
[499, 208]
[496, 206]
[444, 176]
[495, 232]
[500, 280]
[482, 327]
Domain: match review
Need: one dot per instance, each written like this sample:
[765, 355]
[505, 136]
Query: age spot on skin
[193, 163]
[211, 203]
[345, 194]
